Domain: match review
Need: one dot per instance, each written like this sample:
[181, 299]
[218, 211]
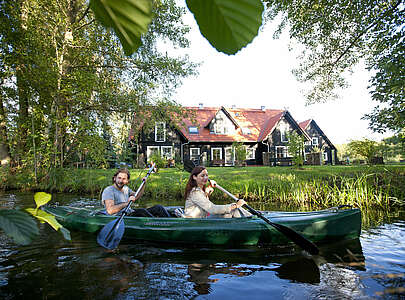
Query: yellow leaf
[45, 217]
[42, 198]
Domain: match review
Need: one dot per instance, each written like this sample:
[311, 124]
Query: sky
[260, 75]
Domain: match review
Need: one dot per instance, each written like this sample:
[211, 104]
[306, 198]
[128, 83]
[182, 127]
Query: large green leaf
[229, 25]
[128, 18]
[42, 198]
[18, 225]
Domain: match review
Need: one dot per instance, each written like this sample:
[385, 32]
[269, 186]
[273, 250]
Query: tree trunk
[4, 148]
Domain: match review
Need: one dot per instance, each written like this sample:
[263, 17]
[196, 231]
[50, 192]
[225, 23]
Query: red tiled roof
[259, 122]
[304, 124]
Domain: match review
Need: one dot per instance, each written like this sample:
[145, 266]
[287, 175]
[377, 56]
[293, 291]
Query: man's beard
[119, 185]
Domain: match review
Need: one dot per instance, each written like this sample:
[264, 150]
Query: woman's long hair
[191, 182]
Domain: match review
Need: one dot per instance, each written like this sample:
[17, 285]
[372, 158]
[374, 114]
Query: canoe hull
[320, 227]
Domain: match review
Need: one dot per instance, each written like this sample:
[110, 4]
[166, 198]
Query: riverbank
[310, 186]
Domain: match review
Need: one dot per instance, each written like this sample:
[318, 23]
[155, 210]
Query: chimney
[200, 105]
[263, 108]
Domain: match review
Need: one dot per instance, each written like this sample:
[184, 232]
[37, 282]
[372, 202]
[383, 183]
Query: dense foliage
[67, 87]
[336, 35]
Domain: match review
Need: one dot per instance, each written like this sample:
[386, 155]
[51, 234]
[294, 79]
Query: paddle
[288, 232]
[111, 234]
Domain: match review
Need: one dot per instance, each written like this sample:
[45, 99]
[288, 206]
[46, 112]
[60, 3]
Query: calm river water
[372, 267]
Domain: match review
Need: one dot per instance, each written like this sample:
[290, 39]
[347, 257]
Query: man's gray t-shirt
[111, 192]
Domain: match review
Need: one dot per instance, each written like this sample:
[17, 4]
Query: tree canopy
[65, 79]
[337, 35]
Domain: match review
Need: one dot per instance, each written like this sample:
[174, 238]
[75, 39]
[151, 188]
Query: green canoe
[318, 226]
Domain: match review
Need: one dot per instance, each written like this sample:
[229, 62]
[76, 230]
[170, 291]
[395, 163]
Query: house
[318, 142]
[209, 138]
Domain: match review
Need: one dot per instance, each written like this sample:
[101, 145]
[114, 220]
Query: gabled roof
[305, 124]
[225, 111]
[252, 125]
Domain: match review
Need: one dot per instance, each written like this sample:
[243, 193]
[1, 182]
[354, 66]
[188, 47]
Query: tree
[393, 148]
[365, 148]
[77, 80]
[240, 152]
[296, 148]
[335, 36]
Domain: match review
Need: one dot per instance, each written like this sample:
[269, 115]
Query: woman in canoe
[198, 204]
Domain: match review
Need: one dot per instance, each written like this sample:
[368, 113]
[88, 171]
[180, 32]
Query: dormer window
[160, 132]
[193, 129]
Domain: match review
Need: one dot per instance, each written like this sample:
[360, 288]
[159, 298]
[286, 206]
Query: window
[216, 153]
[160, 132]
[283, 132]
[315, 141]
[194, 153]
[192, 130]
[250, 153]
[150, 150]
[167, 152]
[307, 143]
[281, 151]
[325, 156]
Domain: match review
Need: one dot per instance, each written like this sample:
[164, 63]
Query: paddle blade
[111, 234]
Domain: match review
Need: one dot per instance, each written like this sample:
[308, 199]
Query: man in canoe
[198, 204]
[116, 197]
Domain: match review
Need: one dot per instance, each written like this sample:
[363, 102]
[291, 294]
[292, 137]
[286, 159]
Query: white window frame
[307, 143]
[171, 152]
[164, 131]
[212, 153]
[284, 151]
[315, 141]
[190, 128]
[325, 156]
[149, 150]
[283, 135]
[192, 155]
[250, 153]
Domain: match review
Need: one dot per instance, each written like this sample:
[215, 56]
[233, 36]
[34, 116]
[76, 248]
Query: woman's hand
[239, 204]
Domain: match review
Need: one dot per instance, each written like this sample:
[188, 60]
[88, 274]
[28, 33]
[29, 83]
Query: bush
[158, 160]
